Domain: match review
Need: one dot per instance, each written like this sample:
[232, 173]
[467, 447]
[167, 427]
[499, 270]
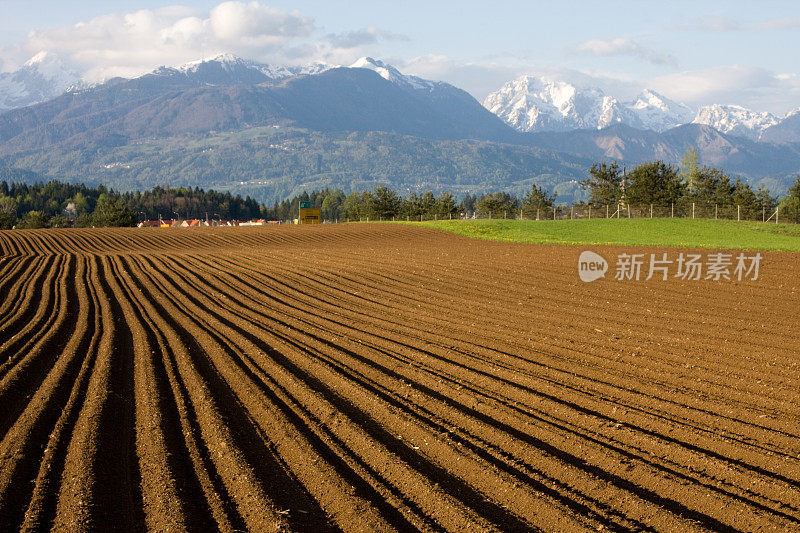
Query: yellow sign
[309, 216]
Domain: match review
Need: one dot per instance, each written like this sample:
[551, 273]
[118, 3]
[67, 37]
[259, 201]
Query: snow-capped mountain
[532, 103]
[659, 113]
[44, 76]
[228, 69]
[537, 104]
[736, 120]
[390, 73]
[786, 131]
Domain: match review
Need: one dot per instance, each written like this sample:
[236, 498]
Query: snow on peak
[792, 113]
[41, 57]
[659, 113]
[735, 120]
[42, 77]
[533, 103]
[390, 73]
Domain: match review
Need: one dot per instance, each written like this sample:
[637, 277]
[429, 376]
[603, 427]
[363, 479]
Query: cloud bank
[625, 47]
[129, 44]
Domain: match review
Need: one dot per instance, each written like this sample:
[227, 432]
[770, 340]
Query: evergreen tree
[604, 184]
[537, 201]
[112, 212]
[496, 205]
[654, 183]
[384, 204]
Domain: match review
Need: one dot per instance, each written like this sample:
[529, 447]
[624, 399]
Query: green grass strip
[677, 232]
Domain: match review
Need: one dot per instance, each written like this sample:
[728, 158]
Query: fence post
[776, 214]
[505, 214]
[692, 210]
[738, 214]
[651, 210]
[572, 212]
[590, 212]
[715, 211]
[672, 210]
[451, 216]
[606, 210]
[537, 213]
[554, 213]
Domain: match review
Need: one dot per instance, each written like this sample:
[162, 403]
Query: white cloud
[625, 47]
[752, 87]
[128, 44]
[363, 37]
[482, 78]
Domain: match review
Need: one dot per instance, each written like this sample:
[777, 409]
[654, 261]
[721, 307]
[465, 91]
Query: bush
[112, 212]
[7, 220]
[33, 220]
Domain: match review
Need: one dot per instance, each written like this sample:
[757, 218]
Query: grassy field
[701, 233]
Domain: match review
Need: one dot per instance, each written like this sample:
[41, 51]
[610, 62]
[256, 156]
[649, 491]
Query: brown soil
[377, 377]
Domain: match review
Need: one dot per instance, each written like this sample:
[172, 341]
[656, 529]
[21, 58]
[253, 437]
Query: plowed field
[377, 377]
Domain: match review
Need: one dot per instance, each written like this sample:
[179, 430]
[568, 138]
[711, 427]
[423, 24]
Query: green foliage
[59, 221]
[496, 205]
[383, 204]
[654, 183]
[7, 220]
[790, 204]
[112, 212]
[64, 204]
[711, 187]
[537, 201]
[33, 220]
[690, 169]
[604, 184]
[271, 164]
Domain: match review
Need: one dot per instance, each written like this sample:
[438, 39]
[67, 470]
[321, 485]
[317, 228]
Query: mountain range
[269, 131]
[538, 104]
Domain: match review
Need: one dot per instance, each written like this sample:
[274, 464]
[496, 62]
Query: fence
[583, 211]
[682, 210]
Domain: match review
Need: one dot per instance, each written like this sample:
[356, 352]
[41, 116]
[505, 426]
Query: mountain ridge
[99, 131]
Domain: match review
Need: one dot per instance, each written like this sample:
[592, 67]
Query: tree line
[384, 203]
[56, 204]
[661, 184]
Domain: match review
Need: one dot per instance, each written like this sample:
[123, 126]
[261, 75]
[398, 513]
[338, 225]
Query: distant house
[149, 224]
[259, 222]
[190, 223]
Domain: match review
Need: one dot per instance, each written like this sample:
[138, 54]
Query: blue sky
[698, 52]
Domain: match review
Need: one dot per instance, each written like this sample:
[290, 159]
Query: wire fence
[683, 210]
